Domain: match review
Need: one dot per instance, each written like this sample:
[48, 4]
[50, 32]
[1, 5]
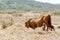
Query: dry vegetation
[14, 28]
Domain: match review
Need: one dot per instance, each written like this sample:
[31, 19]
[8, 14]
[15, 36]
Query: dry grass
[17, 31]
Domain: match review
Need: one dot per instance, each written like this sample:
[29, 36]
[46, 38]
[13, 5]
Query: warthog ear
[58, 27]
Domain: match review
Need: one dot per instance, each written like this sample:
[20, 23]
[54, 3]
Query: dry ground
[17, 31]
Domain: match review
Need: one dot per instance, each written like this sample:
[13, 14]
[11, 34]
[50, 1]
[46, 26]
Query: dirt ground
[18, 31]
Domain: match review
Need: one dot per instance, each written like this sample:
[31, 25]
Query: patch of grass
[14, 13]
[6, 20]
[56, 13]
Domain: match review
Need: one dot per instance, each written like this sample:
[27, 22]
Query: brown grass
[17, 31]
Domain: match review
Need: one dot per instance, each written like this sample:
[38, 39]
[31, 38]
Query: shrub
[56, 13]
[6, 20]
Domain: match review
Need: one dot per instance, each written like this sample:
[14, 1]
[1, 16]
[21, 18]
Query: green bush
[56, 13]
